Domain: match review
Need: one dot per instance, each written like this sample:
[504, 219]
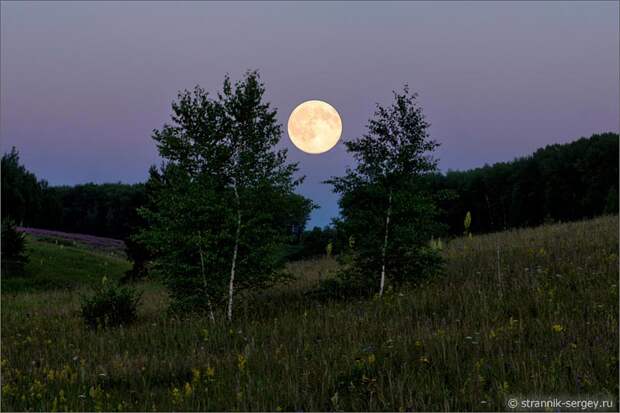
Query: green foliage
[611, 203]
[105, 210]
[140, 256]
[318, 242]
[13, 249]
[23, 196]
[558, 183]
[110, 305]
[223, 197]
[386, 206]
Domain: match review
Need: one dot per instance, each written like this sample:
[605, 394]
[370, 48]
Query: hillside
[64, 260]
[543, 319]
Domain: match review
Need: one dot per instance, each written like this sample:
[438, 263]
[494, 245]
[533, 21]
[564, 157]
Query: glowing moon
[314, 126]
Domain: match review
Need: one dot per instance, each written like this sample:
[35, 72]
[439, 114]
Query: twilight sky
[83, 84]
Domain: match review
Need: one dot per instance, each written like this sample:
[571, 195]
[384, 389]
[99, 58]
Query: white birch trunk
[385, 241]
[231, 286]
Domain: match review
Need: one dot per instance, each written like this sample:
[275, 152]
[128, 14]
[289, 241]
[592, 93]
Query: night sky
[84, 84]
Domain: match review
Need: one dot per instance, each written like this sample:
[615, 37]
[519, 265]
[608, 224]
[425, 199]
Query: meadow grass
[56, 263]
[546, 323]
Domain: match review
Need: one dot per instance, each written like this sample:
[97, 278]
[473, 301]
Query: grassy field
[58, 263]
[540, 320]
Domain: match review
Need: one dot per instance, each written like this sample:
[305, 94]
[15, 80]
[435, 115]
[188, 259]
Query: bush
[13, 249]
[110, 305]
[351, 281]
[139, 255]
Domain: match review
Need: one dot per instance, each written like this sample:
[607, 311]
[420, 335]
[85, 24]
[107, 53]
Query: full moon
[314, 126]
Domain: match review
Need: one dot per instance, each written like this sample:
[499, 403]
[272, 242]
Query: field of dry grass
[524, 312]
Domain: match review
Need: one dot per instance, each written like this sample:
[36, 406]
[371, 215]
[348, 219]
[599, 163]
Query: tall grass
[545, 323]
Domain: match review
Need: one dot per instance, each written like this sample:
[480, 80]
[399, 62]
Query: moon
[314, 126]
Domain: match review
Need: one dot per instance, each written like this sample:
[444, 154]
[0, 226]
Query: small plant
[110, 305]
[467, 224]
[436, 244]
[13, 249]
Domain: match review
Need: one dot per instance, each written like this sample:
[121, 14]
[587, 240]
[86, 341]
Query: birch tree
[383, 203]
[217, 203]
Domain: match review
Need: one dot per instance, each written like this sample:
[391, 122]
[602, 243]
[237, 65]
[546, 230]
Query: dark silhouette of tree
[13, 249]
[22, 193]
[215, 204]
[385, 205]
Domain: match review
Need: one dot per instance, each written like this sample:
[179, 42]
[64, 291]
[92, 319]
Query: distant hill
[58, 260]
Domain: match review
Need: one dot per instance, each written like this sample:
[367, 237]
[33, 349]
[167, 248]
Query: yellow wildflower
[241, 361]
[176, 396]
[195, 376]
[558, 328]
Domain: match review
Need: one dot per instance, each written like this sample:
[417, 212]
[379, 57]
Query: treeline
[106, 210]
[561, 182]
[558, 183]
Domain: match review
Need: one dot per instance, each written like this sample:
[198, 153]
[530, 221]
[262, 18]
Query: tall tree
[13, 252]
[214, 205]
[21, 191]
[384, 203]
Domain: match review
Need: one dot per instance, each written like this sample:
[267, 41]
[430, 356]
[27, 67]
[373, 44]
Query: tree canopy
[384, 203]
[221, 206]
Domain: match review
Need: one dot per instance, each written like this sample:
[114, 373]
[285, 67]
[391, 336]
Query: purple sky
[83, 84]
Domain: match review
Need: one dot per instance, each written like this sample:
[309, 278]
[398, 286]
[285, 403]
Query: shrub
[13, 249]
[110, 305]
[139, 255]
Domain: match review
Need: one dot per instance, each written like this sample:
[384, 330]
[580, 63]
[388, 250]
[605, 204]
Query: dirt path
[99, 243]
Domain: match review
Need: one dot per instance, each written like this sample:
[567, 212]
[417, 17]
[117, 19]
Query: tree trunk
[231, 286]
[385, 241]
[204, 277]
